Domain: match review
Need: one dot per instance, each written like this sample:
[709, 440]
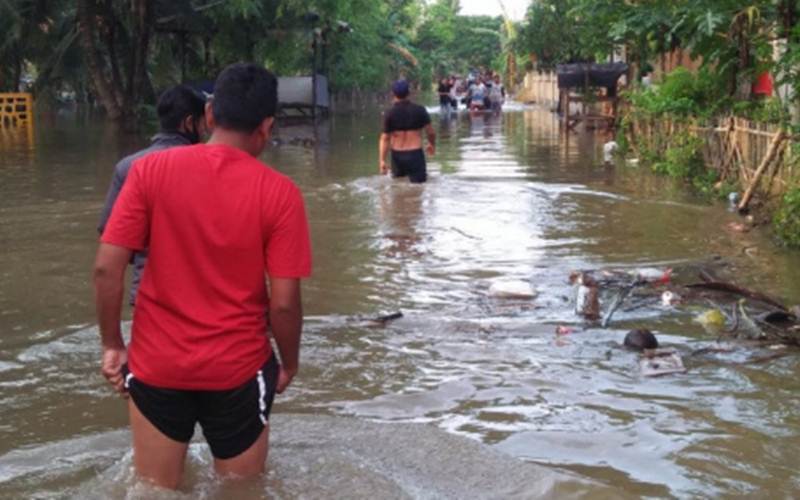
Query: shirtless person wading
[217, 223]
[402, 133]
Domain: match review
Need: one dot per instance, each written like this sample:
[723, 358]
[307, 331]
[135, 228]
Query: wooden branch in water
[765, 358]
[383, 319]
[706, 276]
[618, 300]
[774, 147]
[737, 290]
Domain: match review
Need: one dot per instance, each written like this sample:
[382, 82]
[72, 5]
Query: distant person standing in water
[403, 124]
[497, 94]
[181, 120]
[220, 226]
[444, 96]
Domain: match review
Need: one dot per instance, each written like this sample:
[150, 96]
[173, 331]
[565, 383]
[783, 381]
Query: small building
[597, 83]
[303, 96]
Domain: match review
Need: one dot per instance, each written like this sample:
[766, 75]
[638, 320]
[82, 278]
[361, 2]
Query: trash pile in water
[738, 319]
[725, 310]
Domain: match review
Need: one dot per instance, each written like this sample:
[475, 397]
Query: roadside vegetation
[732, 44]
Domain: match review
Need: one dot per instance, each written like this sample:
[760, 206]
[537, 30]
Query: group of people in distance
[477, 92]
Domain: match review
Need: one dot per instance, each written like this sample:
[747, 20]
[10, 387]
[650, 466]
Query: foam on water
[310, 457]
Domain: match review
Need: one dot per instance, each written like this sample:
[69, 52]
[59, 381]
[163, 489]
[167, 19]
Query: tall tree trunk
[182, 42]
[141, 13]
[787, 10]
[744, 79]
[16, 75]
[94, 61]
[207, 56]
[110, 36]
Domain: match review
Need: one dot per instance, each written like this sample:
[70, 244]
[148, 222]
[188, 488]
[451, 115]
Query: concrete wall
[539, 88]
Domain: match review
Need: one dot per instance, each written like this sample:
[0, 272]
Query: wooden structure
[755, 156]
[16, 109]
[593, 87]
[590, 115]
[303, 96]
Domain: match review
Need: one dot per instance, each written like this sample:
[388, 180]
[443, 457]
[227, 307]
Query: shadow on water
[417, 407]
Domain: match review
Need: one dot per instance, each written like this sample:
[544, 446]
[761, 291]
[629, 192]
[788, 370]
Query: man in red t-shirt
[215, 221]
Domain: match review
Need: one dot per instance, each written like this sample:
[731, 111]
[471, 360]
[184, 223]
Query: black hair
[244, 95]
[176, 103]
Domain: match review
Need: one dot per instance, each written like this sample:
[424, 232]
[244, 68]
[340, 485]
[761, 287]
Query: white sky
[516, 8]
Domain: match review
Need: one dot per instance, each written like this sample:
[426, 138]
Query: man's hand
[286, 323]
[113, 359]
[384, 168]
[109, 272]
[285, 378]
[431, 149]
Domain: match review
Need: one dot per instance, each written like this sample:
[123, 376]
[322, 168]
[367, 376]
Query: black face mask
[193, 136]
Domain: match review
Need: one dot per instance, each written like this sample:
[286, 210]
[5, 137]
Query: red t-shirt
[214, 220]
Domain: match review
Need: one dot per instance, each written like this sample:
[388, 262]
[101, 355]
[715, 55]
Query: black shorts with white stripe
[231, 420]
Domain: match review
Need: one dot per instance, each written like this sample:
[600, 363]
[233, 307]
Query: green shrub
[683, 158]
[682, 93]
[787, 219]
[769, 110]
[725, 188]
[705, 181]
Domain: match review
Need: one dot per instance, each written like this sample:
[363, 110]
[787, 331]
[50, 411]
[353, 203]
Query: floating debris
[658, 362]
[720, 286]
[712, 319]
[618, 300]
[609, 150]
[748, 327]
[641, 339]
[380, 320]
[737, 227]
[564, 330]
[670, 298]
[653, 275]
[587, 297]
[511, 289]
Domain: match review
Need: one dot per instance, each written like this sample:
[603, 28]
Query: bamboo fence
[755, 155]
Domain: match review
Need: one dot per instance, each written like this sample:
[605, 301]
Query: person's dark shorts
[411, 164]
[232, 420]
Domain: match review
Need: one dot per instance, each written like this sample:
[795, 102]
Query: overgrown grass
[786, 220]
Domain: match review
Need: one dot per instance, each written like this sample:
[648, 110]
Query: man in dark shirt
[444, 95]
[181, 117]
[402, 134]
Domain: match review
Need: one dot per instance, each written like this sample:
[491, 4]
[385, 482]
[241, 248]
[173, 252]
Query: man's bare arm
[383, 150]
[109, 278]
[286, 323]
[431, 134]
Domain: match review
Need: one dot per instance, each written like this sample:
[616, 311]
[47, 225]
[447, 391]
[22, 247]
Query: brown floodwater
[467, 394]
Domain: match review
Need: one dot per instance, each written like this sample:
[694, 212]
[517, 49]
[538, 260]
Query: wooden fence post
[771, 153]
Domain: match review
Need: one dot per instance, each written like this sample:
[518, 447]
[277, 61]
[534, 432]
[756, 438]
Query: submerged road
[510, 198]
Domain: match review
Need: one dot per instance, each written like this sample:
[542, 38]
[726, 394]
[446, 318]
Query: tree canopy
[122, 53]
[733, 39]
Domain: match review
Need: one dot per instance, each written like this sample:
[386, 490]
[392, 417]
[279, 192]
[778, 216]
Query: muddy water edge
[510, 198]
